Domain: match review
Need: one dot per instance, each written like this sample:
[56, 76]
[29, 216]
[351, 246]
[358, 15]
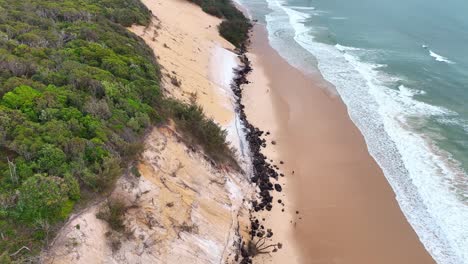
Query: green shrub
[235, 31]
[235, 26]
[66, 210]
[5, 258]
[135, 171]
[41, 197]
[50, 159]
[108, 173]
[113, 213]
[73, 187]
[201, 130]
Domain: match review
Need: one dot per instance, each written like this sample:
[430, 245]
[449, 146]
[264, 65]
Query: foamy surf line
[440, 58]
[421, 175]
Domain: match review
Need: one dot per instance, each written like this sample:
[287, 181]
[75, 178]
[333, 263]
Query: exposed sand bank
[184, 40]
[189, 48]
[347, 210]
[182, 209]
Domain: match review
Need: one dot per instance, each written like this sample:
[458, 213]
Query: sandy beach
[339, 208]
[347, 212]
[334, 204]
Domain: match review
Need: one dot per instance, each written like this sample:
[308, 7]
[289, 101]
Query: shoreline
[297, 146]
[347, 210]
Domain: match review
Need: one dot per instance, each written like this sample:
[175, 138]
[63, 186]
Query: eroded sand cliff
[183, 208]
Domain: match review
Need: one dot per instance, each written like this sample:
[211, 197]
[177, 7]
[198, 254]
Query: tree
[42, 197]
[51, 159]
[73, 187]
[22, 98]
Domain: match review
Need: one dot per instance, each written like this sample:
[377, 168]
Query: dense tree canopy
[77, 91]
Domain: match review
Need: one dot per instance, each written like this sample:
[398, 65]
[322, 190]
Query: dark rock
[269, 233]
[263, 171]
[278, 188]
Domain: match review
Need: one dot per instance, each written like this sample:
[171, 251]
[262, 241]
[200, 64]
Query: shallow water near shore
[404, 85]
[339, 208]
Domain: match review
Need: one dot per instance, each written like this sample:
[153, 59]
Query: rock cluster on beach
[263, 171]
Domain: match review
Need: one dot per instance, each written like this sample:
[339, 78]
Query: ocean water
[401, 67]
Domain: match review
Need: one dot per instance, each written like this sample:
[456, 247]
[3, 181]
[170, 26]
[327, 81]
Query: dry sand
[347, 210]
[181, 210]
[190, 50]
[184, 40]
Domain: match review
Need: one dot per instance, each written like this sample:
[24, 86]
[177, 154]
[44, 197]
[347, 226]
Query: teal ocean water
[401, 67]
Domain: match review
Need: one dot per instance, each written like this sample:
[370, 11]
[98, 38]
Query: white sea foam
[440, 58]
[240, 3]
[339, 18]
[425, 179]
[405, 91]
[456, 121]
[302, 7]
[344, 48]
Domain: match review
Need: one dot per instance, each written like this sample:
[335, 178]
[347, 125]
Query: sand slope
[182, 209]
[184, 38]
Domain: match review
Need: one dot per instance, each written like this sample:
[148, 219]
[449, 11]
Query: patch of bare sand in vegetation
[181, 210]
[82, 240]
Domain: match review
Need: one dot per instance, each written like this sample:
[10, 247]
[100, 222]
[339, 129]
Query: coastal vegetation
[77, 94]
[234, 27]
[200, 130]
[113, 213]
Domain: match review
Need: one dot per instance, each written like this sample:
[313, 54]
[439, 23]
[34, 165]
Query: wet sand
[347, 209]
